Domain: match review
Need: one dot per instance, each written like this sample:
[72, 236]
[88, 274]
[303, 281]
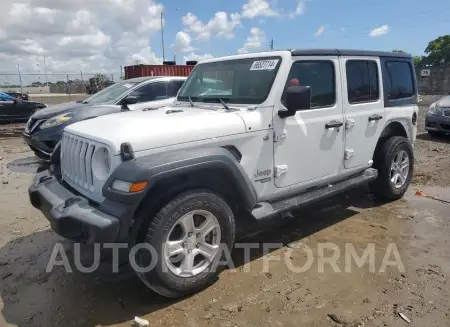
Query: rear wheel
[189, 235]
[394, 161]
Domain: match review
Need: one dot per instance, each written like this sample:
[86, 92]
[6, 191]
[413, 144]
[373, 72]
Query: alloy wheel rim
[399, 169]
[192, 243]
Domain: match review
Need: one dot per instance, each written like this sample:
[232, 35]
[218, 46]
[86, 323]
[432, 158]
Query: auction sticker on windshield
[264, 64]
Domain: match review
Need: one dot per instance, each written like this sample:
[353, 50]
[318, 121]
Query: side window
[319, 76]
[400, 78]
[173, 87]
[150, 92]
[362, 81]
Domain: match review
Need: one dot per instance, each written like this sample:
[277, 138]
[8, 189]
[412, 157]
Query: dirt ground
[418, 226]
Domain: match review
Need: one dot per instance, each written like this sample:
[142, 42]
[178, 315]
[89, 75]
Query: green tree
[419, 61]
[438, 51]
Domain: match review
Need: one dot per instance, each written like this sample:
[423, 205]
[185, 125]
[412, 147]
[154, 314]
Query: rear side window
[362, 81]
[319, 76]
[400, 80]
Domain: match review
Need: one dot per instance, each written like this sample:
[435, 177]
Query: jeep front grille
[76, 165]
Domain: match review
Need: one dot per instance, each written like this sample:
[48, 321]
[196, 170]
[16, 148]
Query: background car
[14, 110]
[44, 129]
[438, 118]
[18, 95]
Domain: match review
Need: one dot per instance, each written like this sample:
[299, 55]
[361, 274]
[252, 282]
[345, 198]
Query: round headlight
[101, 163]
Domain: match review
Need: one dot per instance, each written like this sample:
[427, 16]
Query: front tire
[394, 161]
[190, 235]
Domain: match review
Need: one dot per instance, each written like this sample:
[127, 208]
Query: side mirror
[297, 98]
[128, 100]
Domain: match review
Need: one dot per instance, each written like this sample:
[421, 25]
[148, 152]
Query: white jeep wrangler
[255, 134]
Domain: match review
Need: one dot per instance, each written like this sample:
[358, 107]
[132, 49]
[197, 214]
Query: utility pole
[162, 37]
[20, 79]
[174, 58]
[45, 72]
[271, 44]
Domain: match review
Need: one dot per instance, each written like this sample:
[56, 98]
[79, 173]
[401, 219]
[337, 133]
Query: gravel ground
[417, 225]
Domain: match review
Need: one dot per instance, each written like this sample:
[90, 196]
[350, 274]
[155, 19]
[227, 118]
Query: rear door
[7, 112]
[363, 107]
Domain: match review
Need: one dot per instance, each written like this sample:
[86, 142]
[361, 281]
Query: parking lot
[418, 225]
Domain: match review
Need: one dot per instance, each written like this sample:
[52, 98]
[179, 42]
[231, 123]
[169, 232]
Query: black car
[18, 95]
[14, 110]
[44, 129]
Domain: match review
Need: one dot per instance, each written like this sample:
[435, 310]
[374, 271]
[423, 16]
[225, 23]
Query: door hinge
[281, 136]
[349, 153]
[349, 123]
[280, 170]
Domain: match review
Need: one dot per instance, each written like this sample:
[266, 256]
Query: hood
[444, 102]
[58, 109]
[146, 130]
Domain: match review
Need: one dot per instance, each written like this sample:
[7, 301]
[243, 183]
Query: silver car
[438, 117]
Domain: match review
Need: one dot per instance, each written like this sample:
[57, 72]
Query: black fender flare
[163, 166]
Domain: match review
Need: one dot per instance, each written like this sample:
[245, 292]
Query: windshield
[110, 94]
[246, 81]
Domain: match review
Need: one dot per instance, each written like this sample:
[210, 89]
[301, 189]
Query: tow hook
[71, 201]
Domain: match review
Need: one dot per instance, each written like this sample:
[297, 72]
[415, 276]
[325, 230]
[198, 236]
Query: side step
[267, 209]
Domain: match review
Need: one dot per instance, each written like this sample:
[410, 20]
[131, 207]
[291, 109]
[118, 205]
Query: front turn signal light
[128, 187]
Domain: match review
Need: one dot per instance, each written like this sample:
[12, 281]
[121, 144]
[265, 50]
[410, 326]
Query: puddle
[31, 165]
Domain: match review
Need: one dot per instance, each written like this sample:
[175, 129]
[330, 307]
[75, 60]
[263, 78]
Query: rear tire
[394, 161]
[187, 249]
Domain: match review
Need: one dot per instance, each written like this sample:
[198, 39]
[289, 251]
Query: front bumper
[437, 123]
[71, 215]
[43, 142]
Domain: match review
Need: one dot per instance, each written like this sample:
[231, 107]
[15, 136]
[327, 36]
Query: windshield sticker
[128, 85]
[264, 64]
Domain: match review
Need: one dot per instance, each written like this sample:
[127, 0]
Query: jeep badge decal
[263, 176]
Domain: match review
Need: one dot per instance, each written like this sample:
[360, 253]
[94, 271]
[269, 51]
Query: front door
[150, 96]
[364, 109]
[310, 145]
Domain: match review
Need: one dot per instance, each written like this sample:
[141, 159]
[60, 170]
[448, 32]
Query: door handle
[375, 117]
[333, 124]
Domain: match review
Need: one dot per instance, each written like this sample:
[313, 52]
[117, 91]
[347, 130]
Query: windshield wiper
[224, 104]
[191, 102]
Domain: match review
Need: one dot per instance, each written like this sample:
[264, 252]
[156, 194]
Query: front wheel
[189, 235]
[394, 161]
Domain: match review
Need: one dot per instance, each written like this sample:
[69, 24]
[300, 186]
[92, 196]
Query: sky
[93, 36]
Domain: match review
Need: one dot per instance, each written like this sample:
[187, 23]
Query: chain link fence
[56, 83]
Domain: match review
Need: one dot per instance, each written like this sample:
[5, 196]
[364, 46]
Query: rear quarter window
[400, 80]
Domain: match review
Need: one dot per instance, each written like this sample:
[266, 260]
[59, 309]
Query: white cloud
[320, 30]
[255, 8]
[221, 25]
[93, 36]
[182, 42]
[254, 40]
[299, 10]
[379, 31]
[198, 57]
